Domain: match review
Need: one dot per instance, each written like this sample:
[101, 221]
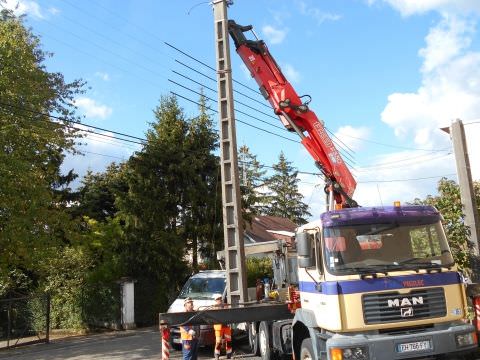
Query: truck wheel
[264, 341]
[306, 350]
[253, 338]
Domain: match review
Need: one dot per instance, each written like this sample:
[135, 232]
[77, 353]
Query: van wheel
[264, 341]
[306, 350]
[253, 338]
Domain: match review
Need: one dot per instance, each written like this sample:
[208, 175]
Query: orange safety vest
[184, 332]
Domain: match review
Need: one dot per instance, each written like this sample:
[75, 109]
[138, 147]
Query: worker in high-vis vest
[189, 335]
[223, 333]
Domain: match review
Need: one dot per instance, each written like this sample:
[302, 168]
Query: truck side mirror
[304, 251]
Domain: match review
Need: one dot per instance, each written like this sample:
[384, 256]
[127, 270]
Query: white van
[201, 288]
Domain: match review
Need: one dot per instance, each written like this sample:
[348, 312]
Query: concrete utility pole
[467, 193]
[231, 198]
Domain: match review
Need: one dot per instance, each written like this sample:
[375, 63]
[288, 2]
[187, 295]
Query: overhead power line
[236, 119]
[260, 165]
[192, 57]
[74, 122]
[405, 180]
[208, 66]
[215, 81]
[392, 146]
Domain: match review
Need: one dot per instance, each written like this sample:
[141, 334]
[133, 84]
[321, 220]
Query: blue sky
[384, 75]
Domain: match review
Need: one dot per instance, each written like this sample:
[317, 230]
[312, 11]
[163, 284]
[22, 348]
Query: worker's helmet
[217, 296]
[187, 300]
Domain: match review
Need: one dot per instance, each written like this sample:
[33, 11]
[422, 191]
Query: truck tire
[253, 338]
[264, 341]
[306, 350]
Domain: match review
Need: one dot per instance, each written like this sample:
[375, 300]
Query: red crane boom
[295, 114]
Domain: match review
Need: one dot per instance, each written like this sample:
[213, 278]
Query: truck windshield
[203, 288]
[377, 248]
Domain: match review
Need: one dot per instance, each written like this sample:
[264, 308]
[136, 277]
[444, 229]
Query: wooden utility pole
[231, 198]
[467, 193]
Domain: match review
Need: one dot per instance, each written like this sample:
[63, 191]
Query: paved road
[128, 345]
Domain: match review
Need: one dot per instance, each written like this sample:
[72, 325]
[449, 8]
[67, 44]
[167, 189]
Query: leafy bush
[258, 268]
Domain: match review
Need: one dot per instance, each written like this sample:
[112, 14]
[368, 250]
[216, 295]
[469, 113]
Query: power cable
[405, 180]
[393, 161]
[209, 67]
[116, 55]
[239, 111]
[73, 122]
[392, 167]
[260, 165]
[215, 80]
[143, 30]
[393, 146]
[123, 134]
[110, 156]
[215, 91]
[340, 141]
[145, 68]
[269, 115]
[236, 119]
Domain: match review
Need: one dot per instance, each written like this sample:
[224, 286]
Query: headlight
[466, 339]
[351, 353]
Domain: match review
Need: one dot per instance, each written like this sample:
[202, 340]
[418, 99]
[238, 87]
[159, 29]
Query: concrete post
[231, 198]
[127, 290]
[467, 193]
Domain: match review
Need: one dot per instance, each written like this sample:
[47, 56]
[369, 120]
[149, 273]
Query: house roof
[267, 228]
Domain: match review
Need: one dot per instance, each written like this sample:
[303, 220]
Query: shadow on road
[128, 345]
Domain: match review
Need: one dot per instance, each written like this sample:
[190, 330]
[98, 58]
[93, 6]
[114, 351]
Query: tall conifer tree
[285, 200]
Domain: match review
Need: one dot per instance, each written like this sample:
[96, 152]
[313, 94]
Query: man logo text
[405, 301]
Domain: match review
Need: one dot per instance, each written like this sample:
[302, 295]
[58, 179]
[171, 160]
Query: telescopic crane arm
[295, 114]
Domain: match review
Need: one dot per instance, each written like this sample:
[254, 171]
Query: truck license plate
[414, 346]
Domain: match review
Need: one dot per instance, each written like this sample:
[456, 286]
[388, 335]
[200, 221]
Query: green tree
[202, 216]
[98, 192]
[33, 192]
[449, 204]
[151, 250]
[285, 200]
[252, 178]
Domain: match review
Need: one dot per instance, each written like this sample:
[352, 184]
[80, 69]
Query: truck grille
[395, 307]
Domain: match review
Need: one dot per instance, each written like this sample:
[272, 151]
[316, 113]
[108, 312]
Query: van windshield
[203, 288]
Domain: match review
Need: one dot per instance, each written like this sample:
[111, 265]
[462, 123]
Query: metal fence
[24, 320]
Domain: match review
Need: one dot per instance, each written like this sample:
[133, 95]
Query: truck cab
[201, 287]
[379, 283]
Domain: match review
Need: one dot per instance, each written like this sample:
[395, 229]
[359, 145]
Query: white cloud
[22, 7]
[352, 137]
[291, 73]
[103, 75]
[383, 182]
[280, 16]
[273, 35]
[318, 15]
[445, 41]
[53, 10]
[411, 7]
[92, 109]
[99, 151]
[450, 87]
